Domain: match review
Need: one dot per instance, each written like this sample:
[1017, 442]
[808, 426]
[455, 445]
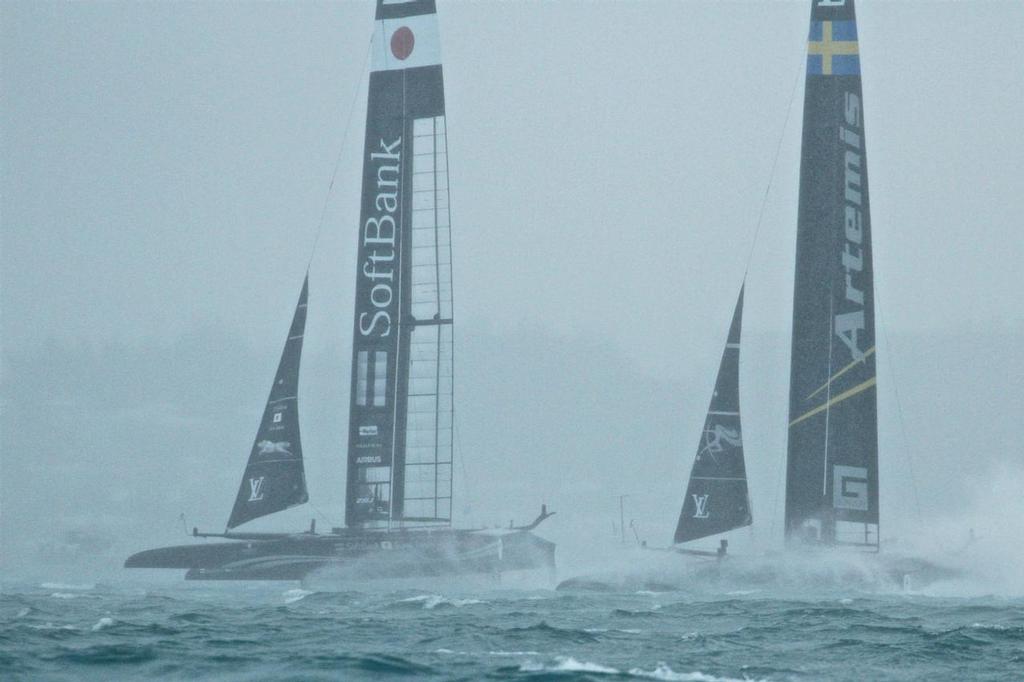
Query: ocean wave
[127, 628]
[386, 665]
[105, 654]
[638, 613]
[377, 664]
[194, 618]
[547, 632]
[987, 633]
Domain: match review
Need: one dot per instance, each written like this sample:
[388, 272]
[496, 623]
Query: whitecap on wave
[663, 672]
[51, 626]
[513, 653]
[489, 653]
[292, 596]
[104, 623]
[431, 601]
[660, 672]
[996, 627]
[68, 587]
[567, 664]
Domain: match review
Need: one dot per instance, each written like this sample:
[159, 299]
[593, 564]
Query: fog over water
[165, 167]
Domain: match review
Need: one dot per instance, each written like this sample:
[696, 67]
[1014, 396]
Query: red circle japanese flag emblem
[402, 42]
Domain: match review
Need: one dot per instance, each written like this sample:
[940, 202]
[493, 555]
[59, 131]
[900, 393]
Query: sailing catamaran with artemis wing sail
[832, 463]
[832, 475]
[832, 494]
[832, 466]
[398, 509]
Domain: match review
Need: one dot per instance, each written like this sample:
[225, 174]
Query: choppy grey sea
[267, 631]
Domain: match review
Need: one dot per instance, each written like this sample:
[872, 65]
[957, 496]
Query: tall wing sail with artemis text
[832, 467]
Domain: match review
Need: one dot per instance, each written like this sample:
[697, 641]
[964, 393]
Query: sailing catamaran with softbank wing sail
[398, 509]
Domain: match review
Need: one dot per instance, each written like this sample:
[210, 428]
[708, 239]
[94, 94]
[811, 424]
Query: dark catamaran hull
[359, 555]
[786, 571]
[826, 569]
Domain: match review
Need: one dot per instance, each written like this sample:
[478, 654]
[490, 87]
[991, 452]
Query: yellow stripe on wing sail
[844, 370]
[836, 400]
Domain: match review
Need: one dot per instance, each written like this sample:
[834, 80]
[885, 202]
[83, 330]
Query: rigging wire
[771, 175]
[327, 199]
[468, 507]
[341, 149]
[764, 203]
[325, 517]
[899, 411]
[457, 451]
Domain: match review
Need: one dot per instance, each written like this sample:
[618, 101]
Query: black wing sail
[274, 478]
[400, 413]
[716, 497]
[832, 467]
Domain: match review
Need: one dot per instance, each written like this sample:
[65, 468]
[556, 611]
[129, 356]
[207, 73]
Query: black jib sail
[832, 468]
[716, 497]
[400, 416]
[274, 478]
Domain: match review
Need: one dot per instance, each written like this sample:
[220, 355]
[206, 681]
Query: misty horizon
[166, 169]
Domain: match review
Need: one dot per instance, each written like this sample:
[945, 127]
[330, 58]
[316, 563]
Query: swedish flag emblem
[832, 49]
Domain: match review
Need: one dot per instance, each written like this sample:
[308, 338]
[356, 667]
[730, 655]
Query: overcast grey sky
[165, 167]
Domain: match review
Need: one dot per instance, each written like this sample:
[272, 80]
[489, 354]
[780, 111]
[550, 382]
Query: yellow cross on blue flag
[832, 49]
